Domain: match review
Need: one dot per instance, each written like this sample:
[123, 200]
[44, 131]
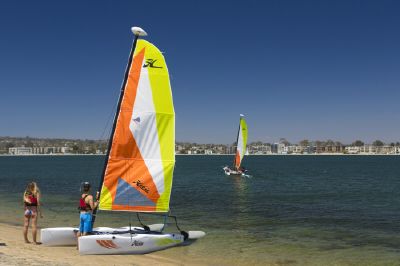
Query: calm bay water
[294, 210]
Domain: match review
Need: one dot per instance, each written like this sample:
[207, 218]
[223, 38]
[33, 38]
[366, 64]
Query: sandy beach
[13, 251]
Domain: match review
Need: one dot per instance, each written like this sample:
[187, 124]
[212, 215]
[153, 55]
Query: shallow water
[295, 210]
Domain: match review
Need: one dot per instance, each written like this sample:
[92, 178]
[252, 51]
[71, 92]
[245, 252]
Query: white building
[66, 150]
[208, 151]
[282, 148]
[20, 151]
[352, 149]
[294, 149]
[367, 149]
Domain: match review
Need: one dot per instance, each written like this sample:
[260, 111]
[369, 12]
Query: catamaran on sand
[241, 141]
[139, 165]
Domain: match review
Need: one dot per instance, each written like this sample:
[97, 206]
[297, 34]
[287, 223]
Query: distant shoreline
[314, 154]
[28, 155]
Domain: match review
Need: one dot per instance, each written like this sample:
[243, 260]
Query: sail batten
[138, 176]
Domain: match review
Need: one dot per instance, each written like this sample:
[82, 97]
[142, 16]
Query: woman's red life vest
[32, 199]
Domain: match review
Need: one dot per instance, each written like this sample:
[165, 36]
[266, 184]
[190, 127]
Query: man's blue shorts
[85, 225]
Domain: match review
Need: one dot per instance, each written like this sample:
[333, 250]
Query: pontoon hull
[230, 172]
[108, 240]
[127, 243]
[59, 236]
[66, 236]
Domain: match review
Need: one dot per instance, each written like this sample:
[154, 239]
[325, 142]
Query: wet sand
[14, 251]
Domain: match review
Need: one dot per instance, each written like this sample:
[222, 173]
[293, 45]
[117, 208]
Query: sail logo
[150, 63]
[109, 244]
[137, 120]
[140, 185]
[137, 243]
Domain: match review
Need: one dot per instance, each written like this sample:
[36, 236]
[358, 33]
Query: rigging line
[110, 117]
[108, 128]
[176, 221]
[105, 135]
[130, 225]
[165, 222]
[145, 227]
[184, 233]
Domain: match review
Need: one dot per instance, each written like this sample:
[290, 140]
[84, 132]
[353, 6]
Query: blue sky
[296, 69]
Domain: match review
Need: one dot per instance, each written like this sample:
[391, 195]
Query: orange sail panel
[140, 166]
[237, 159]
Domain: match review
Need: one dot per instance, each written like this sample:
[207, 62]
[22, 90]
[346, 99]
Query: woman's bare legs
[34, 229]
[26, 225]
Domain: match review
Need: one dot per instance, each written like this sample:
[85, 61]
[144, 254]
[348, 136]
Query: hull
[234, 174]
[59, 236]
[107, 240]
[230, 172]
[127, 243]
[66, 236]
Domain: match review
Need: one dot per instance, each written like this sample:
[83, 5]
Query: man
[86, 207]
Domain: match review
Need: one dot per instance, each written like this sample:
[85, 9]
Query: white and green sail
[241, 142]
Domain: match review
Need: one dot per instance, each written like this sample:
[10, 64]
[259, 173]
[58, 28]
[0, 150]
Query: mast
[237, 143]
[137, 32]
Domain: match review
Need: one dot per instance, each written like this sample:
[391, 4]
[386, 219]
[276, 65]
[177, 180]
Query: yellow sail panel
[241, 142]
[139, 170]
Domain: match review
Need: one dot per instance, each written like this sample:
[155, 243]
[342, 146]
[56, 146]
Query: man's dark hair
[86, 187]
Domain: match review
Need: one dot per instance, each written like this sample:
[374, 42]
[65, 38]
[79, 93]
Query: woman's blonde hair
[32, 188]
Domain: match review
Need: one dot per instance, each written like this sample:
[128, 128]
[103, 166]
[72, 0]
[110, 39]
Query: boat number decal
[107, 244]
[137, 243]
[141, 186]
[150, 63]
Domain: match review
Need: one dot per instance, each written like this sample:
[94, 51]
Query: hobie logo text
[150, 63]
[137, 243]
[141, 186]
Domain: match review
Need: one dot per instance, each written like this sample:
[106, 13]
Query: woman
[32, 209]
[86, 207]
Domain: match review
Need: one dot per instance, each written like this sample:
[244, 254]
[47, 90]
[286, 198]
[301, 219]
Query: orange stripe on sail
[125, 160]
[237, 159]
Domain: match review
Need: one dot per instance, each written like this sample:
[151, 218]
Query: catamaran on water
[139, 165]
[241, 143]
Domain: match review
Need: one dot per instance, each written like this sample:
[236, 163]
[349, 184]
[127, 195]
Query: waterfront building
[259, 148]
[352, 149]
[367, 149]
[387, 149]
[69, 150]
[208, 151]
[20, 150]
[274, 147]
[293, 149]
[282, 148]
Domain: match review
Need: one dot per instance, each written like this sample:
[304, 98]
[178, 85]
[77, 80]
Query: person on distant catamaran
[32, 209]
[86, 207]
